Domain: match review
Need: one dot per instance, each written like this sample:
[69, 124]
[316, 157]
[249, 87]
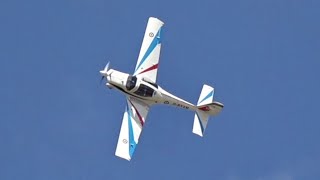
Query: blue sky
[262, 57]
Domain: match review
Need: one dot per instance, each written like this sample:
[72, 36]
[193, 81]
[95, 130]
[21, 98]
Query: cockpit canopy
[143, 90]
[131, 82]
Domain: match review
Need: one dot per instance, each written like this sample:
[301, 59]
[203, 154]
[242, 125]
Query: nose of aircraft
[109, 77]
[117, 78]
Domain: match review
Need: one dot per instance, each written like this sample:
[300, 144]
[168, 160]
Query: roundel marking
[125, 141]
[151, 34]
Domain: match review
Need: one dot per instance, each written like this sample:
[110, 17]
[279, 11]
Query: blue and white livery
[142, 92]
[147, 65]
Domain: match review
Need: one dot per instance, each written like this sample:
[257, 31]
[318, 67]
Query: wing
[147, 65]
[133, 120]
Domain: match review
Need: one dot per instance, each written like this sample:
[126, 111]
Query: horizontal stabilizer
[206, 95]
[200, 122]
[206, 107]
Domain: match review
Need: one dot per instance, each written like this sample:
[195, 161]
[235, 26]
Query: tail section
[206, 107]
[200, 122]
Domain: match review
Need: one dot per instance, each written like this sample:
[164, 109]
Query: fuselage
[143, 89]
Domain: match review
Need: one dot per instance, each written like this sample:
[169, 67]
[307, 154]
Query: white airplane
[142, 92]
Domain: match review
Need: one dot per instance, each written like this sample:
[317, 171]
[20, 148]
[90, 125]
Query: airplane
[142, 92]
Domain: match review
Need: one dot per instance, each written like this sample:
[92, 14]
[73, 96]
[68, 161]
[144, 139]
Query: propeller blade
[104, 71]
[102, 77]
[106, 68]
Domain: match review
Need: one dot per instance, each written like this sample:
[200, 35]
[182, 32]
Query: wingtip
[157, 19]
[122, 157]
[197, 133]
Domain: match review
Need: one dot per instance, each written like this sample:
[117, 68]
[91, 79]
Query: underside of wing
[133, 120]
[147, 65]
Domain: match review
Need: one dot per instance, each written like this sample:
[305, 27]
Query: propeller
[104, 72]
[102, 77]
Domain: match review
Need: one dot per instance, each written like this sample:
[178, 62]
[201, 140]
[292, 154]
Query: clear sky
[263, 58]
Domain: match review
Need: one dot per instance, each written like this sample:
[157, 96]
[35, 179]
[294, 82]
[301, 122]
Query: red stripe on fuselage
[150, 68]
[140, 117]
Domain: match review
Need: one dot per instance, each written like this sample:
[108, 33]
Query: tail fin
[206, 107]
